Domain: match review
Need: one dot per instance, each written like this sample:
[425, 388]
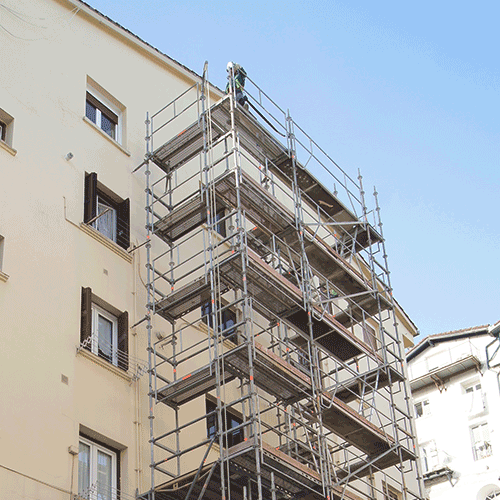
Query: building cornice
[127, 36]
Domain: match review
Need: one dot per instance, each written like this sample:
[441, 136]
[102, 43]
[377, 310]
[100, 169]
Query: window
[6, 127]
[104, 334]
[97, 471]
[369, 336]
[229, 421]
[304, 361]
[220, 226]
[429, 456]
[104, 330]
[106, 212]
[2, 244]
[481, 444]
[226, 319]
[102, 116]
[390, 493]
[475, 399]
[422, 408]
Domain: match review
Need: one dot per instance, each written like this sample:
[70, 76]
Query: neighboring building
[103, 399]
[454, 378]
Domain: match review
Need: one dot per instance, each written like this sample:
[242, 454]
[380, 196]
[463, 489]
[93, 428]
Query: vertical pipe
[150, 300]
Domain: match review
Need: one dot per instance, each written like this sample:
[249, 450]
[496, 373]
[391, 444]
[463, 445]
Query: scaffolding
[282, 374]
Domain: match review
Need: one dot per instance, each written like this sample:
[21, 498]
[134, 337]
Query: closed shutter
[86, 322]
[123, 341]
[90, 198]
[123, 224]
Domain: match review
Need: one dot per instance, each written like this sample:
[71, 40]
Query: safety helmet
[229, 66]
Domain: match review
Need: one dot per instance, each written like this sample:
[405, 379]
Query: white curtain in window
[475, 400]
[105, 337]
[105, 224]
[481, 440]
[104, 476]
[84, 469]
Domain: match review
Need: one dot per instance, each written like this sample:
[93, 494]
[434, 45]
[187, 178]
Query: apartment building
[208, 319]
[455, 386]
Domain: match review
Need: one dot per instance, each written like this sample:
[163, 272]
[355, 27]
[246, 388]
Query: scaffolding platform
[192, 385]
[271, 373]
[346, 423]
[363, 234]
[331, 335]
[331, 265]
[282, 298]
[291, 477]
[258, 142]
[274, 296]
[185, 299]
[272, 217]
[184, 218]
[389, 458]
[366, 383]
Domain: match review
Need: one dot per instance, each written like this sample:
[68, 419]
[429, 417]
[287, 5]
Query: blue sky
[407, 92]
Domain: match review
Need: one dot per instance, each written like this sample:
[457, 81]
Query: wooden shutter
[123, 224]
[86, 323]
[123, 341]
[90, 197]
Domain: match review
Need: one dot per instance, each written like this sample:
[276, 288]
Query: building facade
[455, 387]
[176, 320]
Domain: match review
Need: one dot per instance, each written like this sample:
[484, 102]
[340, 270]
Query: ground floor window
[97, 471]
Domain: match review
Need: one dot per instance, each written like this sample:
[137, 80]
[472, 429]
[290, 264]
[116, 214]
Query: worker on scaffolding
[238, 74]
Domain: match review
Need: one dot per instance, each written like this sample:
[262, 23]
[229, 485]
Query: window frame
[370, 337]
[2, 250]
[95, 344]
[103, 107]
[3, 130]
[110, 207]
[90, 303]
[425, 406]
[220, 225]
[472, 391]
[231, 438]
[476, 444]
[429, 456]
[390, 493]
[94, 449]
[7, 131]
[227, 315]
[95, 191]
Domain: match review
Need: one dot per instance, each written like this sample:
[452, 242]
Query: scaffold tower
[280, 375]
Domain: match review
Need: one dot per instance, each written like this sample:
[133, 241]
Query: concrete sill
[3, 277]
[7, 148]
[106, 136]
[105, 364]
[106, 241]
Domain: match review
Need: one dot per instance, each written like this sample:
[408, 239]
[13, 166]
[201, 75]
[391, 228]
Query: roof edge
[131, 37]
[437, 338]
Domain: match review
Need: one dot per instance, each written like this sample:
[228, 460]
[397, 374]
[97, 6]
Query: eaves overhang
[139, 43]
[439, 376]
[438, 338]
